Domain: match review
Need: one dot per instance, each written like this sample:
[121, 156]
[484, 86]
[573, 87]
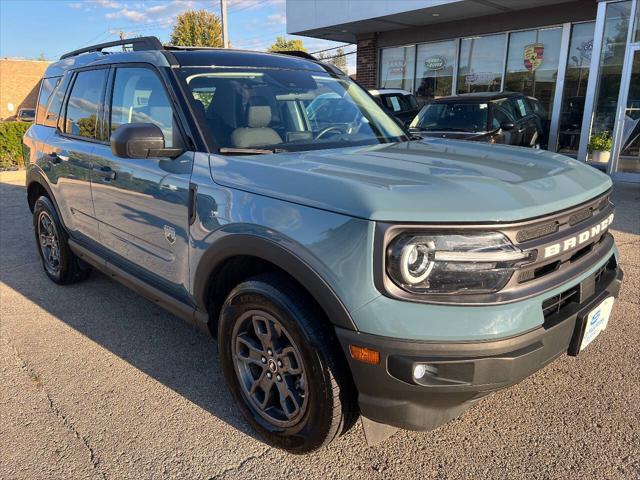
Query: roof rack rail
[187, 48]
[296, 53]
[140, 43]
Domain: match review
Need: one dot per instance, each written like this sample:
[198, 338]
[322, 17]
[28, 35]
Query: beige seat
[257, 133]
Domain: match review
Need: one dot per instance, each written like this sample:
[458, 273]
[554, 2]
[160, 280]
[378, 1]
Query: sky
[29, 28]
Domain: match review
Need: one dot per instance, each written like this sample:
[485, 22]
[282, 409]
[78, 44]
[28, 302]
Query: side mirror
[507, 126]
[141, 140]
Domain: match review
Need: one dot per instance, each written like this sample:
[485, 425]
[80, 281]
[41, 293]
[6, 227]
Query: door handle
[58, 157]
[106, 173]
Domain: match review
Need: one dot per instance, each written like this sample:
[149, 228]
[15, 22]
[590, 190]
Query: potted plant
[600, 147]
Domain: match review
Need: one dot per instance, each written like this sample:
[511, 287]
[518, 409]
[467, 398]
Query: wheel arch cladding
[37, 186]
[235, 256]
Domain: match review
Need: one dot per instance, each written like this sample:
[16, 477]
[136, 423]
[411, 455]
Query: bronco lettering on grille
[579, 239]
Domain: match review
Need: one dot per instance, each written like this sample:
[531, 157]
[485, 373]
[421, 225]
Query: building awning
[348, 19]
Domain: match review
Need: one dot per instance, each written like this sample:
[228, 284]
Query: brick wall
[367, 61]
[19, 84]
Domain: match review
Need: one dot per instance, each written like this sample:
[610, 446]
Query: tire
[323, 390]
[60, 264]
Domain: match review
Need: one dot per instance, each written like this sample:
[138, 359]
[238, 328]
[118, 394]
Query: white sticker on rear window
[482, 106]
[395, 103]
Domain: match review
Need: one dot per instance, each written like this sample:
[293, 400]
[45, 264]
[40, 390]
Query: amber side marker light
[364, 355]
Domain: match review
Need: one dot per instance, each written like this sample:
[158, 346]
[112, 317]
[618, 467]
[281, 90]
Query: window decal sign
[435, 62]
[480, 78]
[533, 56]
[397, 67]
[585, 49]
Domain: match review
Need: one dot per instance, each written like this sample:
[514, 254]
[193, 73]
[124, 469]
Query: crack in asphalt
[241, 464]
[31, 373]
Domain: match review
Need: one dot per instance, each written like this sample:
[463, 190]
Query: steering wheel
[326, 130]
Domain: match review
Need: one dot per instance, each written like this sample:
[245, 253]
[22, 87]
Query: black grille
[553, 305]
[610, 265]
[580, 216]
[537, 231]
[603, 203]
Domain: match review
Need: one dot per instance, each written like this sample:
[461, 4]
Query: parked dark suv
[400, 103]
[493, 117]
[345, 268]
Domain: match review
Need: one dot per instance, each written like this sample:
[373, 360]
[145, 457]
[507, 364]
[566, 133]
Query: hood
[433, 180]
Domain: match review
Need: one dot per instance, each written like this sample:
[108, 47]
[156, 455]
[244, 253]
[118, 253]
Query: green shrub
[600, 142]
[11, 144]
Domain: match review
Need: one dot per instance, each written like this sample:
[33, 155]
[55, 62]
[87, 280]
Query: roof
[381, 91]
[477, 96]
[149, 50]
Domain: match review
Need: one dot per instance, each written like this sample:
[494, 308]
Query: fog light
[421, 369]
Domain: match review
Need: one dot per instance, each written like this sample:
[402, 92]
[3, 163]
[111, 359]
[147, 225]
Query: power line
[337, 56]
[332, 48]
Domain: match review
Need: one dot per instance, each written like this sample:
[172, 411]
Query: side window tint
[52, 111]
[522, 109]
[83, 106]
[46, 88]
[395, 103]
[499, 117]
[506, 107]
[139, 97]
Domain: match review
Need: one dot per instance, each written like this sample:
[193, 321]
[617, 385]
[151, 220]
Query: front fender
[230, 244]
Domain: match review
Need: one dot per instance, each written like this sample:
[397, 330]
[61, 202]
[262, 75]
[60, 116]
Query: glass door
[627, 134]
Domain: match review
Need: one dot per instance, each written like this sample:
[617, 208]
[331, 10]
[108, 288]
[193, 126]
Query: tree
[282, 44]
[337, 58]
[41, 57]
[340, 60]
[197, 28]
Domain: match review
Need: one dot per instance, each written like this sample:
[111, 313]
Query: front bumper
[461, 373]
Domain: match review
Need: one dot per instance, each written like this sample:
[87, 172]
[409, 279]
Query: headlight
[453, 263]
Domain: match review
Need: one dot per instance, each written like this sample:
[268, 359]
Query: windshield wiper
[449, 129]
[250, 151]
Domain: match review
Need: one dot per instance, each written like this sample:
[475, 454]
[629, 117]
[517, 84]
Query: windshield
[285, 110]
[459, 117]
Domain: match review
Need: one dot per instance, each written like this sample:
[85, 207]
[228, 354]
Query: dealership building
[579, 58]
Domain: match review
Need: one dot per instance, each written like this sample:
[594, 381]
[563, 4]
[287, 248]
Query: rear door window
[83, 106]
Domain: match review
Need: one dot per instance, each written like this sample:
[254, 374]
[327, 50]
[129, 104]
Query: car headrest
[259, 116]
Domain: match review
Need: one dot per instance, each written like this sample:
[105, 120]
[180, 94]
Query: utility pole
[223, 18]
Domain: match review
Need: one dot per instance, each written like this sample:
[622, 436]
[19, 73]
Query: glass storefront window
[481, 64]
[636, 36]
[532, 67]
[397, 67]
[629, 160]
[575, 87]
[616, 27]
[434, 70]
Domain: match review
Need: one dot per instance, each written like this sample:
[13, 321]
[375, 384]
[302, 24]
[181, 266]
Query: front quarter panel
[337, 247]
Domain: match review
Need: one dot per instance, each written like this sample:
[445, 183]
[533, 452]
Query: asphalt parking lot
[99, 383]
